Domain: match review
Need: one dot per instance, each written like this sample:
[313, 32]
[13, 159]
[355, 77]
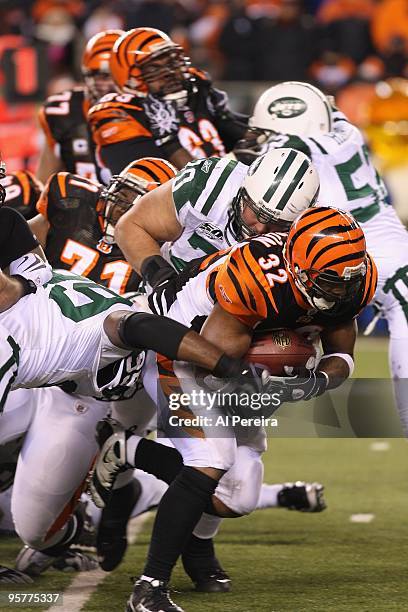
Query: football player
[300, 116]
[77, 218]
[63, 117]
[22, 192]
[210, 205]
[321, 275]
[165, 107]
[80, 333]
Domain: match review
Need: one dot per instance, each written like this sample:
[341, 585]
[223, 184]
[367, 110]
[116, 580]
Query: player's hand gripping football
[300, 384]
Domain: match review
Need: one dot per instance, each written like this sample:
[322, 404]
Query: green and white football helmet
[293, 107]
[279, 186]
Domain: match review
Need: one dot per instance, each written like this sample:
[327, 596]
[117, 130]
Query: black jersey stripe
[237, 286]
[260, 287]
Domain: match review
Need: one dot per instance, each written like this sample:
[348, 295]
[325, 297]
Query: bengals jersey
[75, 237]
[120, 125]
[22, 192]
[250, 281]
[63, 118]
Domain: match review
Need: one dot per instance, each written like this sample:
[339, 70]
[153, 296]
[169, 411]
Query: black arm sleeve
[140, 330]
[16, 238]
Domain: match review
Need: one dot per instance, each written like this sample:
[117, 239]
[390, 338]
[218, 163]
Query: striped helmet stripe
[277, 179]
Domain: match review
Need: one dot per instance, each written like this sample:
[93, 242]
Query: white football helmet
[278, 187]
[293, 108]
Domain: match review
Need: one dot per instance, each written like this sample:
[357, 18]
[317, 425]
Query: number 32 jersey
[75, 237]
[251, 283]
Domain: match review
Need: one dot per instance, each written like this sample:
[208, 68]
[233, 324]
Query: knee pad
[240, 487]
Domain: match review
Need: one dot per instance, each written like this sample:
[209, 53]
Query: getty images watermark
[200, 408]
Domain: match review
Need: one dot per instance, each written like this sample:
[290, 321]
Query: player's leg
[56, 456]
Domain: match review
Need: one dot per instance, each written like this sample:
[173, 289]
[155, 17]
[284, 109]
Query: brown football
[278, 348]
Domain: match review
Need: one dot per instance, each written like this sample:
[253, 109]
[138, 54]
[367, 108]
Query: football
[279, 348]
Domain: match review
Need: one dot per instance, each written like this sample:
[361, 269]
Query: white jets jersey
[56, 335]
[348, 179]
[203, 193]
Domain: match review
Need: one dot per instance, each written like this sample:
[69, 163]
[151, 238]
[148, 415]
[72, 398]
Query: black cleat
[151, 596]
[206, 574]
[217, 581]
[112, 537]
[302, 496]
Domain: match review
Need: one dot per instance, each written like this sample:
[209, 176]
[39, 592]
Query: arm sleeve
[16, 238]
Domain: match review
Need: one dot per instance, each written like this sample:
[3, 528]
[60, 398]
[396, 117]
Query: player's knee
[238, 491]
[32, 535]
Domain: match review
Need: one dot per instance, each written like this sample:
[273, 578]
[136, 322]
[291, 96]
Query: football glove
[11, 576]
[32, 270]
[300, 384]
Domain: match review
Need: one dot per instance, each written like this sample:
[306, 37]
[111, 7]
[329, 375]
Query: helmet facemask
[98, 83]
[328, 292]
[173, 74]
[263, 214]
[116, 199]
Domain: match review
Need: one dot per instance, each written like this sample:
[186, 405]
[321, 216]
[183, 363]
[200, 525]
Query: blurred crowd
[331, 42]
[345, 47]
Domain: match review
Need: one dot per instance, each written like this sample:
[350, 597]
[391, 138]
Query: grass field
[292, 562]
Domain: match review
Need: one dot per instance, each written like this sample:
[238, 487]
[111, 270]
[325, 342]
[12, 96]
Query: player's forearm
[337, 369]
[11, 290]
[135, 243]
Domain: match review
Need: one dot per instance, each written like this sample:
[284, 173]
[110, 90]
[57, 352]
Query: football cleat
[11, 576]
[34, 562]
[75, 561]
[209, 578]
[216, 581]
[151, 596]
[302, 496]
[111, 438]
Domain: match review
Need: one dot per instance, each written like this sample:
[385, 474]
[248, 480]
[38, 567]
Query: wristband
[228, 367]
[29, 286]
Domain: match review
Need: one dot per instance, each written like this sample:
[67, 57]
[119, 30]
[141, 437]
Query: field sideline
[284, 561]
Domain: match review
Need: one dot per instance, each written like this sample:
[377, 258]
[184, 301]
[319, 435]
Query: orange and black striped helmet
[326, 255]
[139, 177]
[135, 50]
[95, 60]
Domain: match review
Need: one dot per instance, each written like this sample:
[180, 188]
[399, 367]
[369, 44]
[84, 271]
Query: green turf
[292, 562]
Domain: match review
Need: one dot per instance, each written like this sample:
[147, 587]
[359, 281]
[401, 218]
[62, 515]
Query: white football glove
[33, 268]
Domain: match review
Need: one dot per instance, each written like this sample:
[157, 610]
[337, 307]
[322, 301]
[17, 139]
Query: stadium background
[356, 50]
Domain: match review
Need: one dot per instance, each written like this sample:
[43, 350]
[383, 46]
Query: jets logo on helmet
[284, 108]
[326, 256]
[293, 108]
[139, 177]
[277, 188]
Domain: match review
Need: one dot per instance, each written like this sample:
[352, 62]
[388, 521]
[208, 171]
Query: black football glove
[301, 384]
[12, 576]
[164, 123]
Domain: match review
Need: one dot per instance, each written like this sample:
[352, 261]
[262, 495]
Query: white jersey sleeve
[9, 361]
[203, 193]
[348, 179]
